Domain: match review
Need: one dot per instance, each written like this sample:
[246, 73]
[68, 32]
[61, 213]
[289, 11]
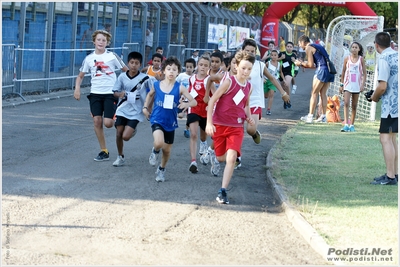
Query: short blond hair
[103, 32]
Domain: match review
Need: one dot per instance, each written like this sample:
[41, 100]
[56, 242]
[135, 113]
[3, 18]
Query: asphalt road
[59, 207]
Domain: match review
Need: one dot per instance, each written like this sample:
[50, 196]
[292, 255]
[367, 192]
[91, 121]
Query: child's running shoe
[222, 197]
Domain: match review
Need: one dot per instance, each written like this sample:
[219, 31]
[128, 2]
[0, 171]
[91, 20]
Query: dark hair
[218, 55]
[157, 55]
[361, 52]
[274, 50]
[159, 48]
[382, 39]
[250, 42]
[243, 55]
[290, 43]
[226, 61]
[191, 60]
[230, 59]
[304, 38]
[170, 61]
[135, 55]
[271, 42]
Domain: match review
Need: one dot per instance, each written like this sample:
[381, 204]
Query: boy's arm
[249, 118]
[144, 70]
[191, 101]
[148, 103]
[210, 128]
[275, 82]
[210, 87]
[118, 89]
[78, 82]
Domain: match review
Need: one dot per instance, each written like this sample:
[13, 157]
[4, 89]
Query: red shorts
[227, 137]
[256, 110]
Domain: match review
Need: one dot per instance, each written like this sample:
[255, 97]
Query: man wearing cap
[370, 57]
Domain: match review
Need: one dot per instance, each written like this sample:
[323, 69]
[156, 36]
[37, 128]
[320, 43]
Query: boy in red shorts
[225, 125]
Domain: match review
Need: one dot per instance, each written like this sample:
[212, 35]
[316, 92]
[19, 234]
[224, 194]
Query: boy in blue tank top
[161, 107]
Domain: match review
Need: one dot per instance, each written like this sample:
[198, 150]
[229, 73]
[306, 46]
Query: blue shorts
[323, 75]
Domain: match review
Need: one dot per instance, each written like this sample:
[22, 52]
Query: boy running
[197, 115]
[225, 123]
[129, 112]
[164, 97]
[101, 64]
[274, 67]
[155, 69]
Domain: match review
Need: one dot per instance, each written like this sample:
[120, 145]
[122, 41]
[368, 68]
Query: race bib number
[238, 97]
[285, 65]
[272, 67]
[168, 102]
[131, 97]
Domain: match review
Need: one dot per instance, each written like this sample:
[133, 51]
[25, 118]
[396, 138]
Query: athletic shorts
[122, 121]
[192, 117]
[103, 104]
[269, 86]
[388, 125]
[256, 110]
[287, 73]
[168, 136]
[227, 137]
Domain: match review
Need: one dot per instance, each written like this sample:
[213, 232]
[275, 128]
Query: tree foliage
[319, 16]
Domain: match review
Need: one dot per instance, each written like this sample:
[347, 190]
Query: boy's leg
[98, 129]
[194, 128]
[166, 152]
[389, 152]
[119, 140]
[230, 158]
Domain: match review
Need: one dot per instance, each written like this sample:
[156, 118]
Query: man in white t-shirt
[149, 41]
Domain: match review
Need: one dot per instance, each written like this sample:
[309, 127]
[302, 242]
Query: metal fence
[49, 40]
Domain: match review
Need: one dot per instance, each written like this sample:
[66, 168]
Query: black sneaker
[222, 197]
[102, 156]
[385, 181]
[289, 105]
[284, 105]
[382, 177]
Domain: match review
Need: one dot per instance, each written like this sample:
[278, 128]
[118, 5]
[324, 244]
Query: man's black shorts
[389, 125]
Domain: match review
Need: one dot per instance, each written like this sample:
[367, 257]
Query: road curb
[29, 99]
[299, 223]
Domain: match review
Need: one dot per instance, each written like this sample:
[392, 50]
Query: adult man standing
[149, 41]
[387, 89]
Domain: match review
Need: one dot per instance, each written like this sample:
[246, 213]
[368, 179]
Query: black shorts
[287, 73]
[194, 117]
[168, 136]
[103, 104]
[122, 121]
[389, 125]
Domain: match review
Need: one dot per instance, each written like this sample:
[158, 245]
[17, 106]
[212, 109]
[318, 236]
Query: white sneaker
[307, 119]
[294, 88]
[215, 166]
[153, 157]
[205, 158]
[321, 119]
[203, 148]
[119, 162]
[193, 167]
[160, 175]
[238, 162]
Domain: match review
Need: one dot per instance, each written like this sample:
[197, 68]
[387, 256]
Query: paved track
[61, 207]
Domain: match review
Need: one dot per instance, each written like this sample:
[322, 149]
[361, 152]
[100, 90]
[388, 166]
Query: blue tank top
[166, 117]
[319, 58]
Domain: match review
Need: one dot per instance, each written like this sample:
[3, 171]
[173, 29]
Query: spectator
[195, 55]
[282, 44]
[242, 9]
[87, 41]
[370, 57]
[322, 77]
[149, 40]
[387, 89]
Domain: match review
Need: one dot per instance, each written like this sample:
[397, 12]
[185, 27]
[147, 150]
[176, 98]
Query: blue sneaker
[222, 197]
[346, 128]
[186, 133]
[351, 128]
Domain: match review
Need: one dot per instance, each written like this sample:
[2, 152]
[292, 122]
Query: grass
[326, 175]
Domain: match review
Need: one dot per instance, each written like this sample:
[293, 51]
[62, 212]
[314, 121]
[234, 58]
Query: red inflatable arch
[270, 21]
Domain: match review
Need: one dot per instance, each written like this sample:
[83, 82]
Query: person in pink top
[352, 82]
[225, 122]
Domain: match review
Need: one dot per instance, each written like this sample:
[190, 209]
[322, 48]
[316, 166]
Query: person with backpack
[317, 58]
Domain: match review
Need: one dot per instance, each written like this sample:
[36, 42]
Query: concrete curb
[29, 99]
[299, 223]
